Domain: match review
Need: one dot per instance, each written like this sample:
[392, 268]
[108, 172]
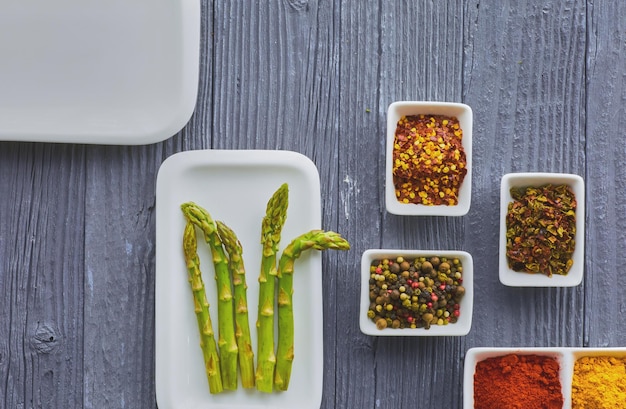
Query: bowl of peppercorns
[416, 293]
[428, 158]
[542, 229]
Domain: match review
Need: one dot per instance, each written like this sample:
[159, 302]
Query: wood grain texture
[359, 186]
[606, 175]
[119, 276]
[525, 79]
[421, 59]
[547, 86]
[41, 275]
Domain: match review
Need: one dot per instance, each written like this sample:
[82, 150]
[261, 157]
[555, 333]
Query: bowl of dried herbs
[428, 158]
[542, 229]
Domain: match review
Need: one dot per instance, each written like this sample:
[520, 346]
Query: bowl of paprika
[516, 378]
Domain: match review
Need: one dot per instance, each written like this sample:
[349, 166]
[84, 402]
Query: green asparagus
[207, 340]
[242, 326]
[271, 229]
[317, 240]
[226, 342]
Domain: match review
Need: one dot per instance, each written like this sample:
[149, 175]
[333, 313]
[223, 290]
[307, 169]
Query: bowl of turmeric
[428, 158]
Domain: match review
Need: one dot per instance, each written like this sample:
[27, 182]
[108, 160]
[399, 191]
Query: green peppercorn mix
[415, 293]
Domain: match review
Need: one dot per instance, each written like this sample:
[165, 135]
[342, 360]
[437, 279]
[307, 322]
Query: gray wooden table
[547, 84]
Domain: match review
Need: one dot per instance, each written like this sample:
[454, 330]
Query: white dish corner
[113, 72]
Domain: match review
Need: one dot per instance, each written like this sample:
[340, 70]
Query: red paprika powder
[516, 381]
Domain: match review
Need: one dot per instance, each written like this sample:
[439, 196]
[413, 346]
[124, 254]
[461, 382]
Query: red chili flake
[429, 162]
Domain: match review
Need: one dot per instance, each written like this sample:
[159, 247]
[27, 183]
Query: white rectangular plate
[234, 186]
[121, 72]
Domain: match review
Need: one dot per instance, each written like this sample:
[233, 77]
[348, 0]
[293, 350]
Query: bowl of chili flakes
[428, 158]
[542, 230]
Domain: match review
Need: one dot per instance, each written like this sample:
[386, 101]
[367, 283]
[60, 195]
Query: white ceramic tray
[103, 72]
[234, 186]
[566, 358]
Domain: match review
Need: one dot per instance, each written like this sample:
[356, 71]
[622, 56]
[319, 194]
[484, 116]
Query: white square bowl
[459, 328]
[513, 278]
[464, 114]
[476, 355]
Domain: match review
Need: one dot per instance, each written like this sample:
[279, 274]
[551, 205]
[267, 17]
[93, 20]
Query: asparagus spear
[242, 326]
[271, 229]
[314, 239]
[207, 340]
[226, 342]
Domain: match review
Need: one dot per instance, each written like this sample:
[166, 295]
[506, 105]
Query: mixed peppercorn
[415, 293]
[429, 162]
[540, 229]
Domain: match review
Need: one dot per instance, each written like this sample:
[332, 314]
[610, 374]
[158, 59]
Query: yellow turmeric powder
[599, 382]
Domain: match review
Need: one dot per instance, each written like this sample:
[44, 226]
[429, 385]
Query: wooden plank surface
[605, 119]
[525, 79]
[545, 81]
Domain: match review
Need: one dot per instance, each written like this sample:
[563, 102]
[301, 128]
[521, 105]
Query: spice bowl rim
[566, 357]
[574, 277]
[460, 328]
[464, 114]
